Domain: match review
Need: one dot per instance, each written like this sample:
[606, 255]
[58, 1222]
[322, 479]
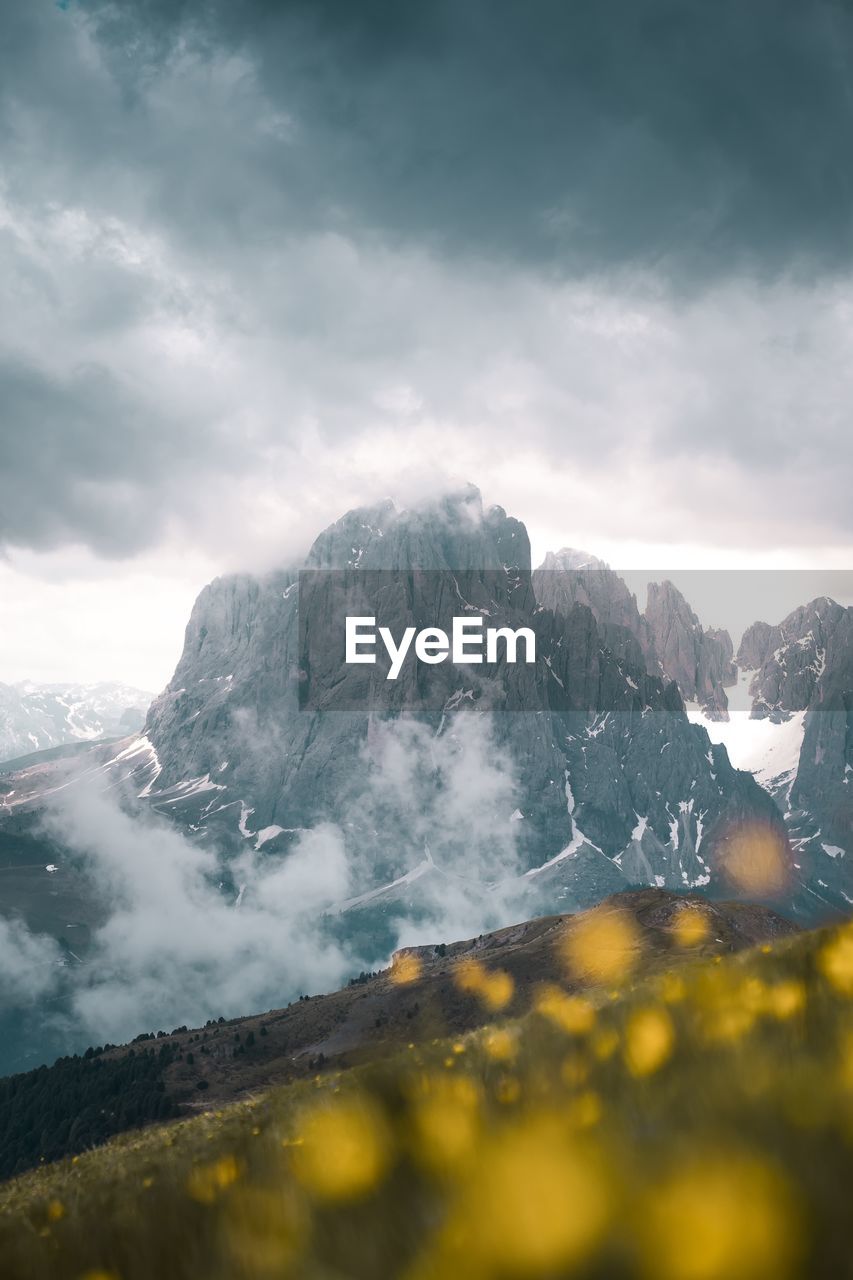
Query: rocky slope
[699, 661]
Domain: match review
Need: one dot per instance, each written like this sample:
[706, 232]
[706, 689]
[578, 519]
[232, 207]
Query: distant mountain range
[37, 717]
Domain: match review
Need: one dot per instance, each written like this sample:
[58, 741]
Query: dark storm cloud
[83, 460]
[251, 250]
[704, 136]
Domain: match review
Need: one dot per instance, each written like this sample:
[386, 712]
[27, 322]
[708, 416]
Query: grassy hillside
[695, 1124]
[83, 1100]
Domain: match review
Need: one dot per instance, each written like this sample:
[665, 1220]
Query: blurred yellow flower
[501, 1044]
[508, 1090]
[754, 859]
[602, 945]
[690, 925]
[264, 1230]
[405, 968]
[724, 1217]
[494, 988]
[836, 961]
[345, 1149]
[649, 1040]
[605, 1043]
[531, 1203]
[574, 1070]
[207, 1180]
[446, 1123]
[572, 1014]
[785, 999]
[672, 988]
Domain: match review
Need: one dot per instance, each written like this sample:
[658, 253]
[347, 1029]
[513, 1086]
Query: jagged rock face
[721, 637]
[803, 683]
[667, 640]
[824, 781]
[571, 577]
[599, 747]
[231, 714]
[757, 643]
[699, 661]
[787, 679]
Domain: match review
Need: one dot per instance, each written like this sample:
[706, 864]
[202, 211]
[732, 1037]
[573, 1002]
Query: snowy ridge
[36, 717]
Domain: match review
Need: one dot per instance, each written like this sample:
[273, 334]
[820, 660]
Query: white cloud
[28, 963]
[184, 938]
[174, 947]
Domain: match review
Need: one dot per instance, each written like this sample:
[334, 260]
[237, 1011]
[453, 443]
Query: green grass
[695, 1125]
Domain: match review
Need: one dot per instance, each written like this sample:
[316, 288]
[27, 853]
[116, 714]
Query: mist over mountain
[278, 825]
[229, 746]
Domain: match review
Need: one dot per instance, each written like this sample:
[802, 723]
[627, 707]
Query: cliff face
[803, 683]
[570, 577]
[757, 642]
[699, 661]
[667, 639]
[603, 767]
[794, 658]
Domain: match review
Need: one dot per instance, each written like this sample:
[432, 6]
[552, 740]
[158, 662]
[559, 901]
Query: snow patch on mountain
[37, 717]
[770, 752]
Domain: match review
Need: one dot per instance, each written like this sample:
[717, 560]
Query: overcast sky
[262, 262]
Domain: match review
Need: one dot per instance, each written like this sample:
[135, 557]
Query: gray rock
[757, 643]
[699, 661]
[787, 679]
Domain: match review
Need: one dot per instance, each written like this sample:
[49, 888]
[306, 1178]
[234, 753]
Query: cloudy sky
[265, 261]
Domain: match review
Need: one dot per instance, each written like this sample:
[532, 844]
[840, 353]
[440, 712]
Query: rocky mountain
[605, 782]
[36, 717]
[458, 793]
[789, 659]
[569, 577]
[667, 638]
[759, 640]
[699, 661]
[586, 731]
[824, 782]
[801, 680]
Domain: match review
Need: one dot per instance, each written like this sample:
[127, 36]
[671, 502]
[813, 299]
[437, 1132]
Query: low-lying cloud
[187, 936]
[180, 946]
[27, 964]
